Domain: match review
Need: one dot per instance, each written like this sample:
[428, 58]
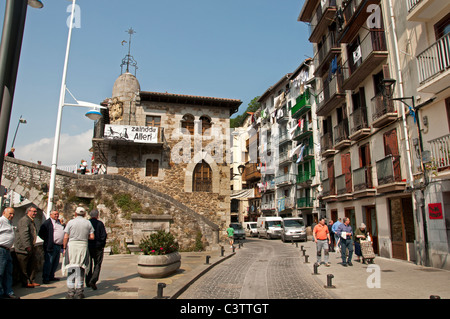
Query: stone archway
[190, 172]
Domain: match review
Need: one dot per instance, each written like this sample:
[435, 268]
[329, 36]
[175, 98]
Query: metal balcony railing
[304, 202]
[359, 119]
[388, 170]
[434, 60]
[411, 4]
[287, 178]
[341, 131]
[327, 141]
[362, 178]
[440, 152]
[381, 106]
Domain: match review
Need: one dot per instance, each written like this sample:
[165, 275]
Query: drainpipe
[405, 128]
[400, 82]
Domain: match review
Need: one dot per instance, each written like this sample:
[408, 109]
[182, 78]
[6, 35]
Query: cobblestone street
[261, 269]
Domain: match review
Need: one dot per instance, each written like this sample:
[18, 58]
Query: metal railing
[381, 106]
[303, 202]
[287, 178]
[341, 131]
[440, 152]
[330, 89]
[385, 170]
[373, 41]
[359, 119]
[327, 141]
[434, 59]
[362, 178]
[411, 4]
[319, 13]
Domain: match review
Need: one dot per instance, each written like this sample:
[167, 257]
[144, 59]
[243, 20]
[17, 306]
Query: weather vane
[129, 59]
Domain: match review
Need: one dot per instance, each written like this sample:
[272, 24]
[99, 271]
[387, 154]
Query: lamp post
[93, 114]
[10, 48]
[23, 121]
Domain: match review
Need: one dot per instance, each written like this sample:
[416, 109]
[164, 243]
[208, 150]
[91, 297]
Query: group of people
[338, 236]
[80, 241]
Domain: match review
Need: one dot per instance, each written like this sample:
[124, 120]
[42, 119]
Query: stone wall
[105, 192]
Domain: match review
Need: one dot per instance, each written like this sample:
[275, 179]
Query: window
[154, 121]
[202, 178]
[151, 168]
[187, 124]
[206, 124]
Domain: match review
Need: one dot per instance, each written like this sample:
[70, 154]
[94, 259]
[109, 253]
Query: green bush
[159, 243]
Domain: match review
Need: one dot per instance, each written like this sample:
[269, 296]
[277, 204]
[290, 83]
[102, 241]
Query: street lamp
[23, 121]
[92, 114]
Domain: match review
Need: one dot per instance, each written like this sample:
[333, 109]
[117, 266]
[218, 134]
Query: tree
[253, 106]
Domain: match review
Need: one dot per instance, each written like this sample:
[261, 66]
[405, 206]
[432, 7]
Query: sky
[228, 49]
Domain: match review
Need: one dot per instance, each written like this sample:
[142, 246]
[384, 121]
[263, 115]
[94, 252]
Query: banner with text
[137, 134]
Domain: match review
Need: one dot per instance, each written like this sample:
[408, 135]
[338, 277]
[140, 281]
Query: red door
[346, 162]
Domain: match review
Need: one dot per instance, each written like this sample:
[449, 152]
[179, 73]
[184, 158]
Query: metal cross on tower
[129, 59]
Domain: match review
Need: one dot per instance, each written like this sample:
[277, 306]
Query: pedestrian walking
[6, 263]
[322, 239]
[230, 233]
[96, 249]
[52, 233]
[360, 234]
[76, 254]
[336, 236]
[25, 249]
[345, 233]
[330, 230]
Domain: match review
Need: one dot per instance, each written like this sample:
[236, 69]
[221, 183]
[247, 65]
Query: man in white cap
[76, 255]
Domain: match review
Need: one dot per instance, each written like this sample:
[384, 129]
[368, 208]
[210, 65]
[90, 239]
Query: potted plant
[160, 255]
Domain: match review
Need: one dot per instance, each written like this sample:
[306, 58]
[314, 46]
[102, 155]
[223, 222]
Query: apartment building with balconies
[366, 165]
[423, 41]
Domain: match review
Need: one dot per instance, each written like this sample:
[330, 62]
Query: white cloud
[72, 149]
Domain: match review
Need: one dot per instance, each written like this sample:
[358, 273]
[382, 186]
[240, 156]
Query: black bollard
[161, 286]
[316, 266]
[207, 260]
[222, 251]
[435, 297]
[301, 247]
[329, 281]
[306, 259]
[296, 245]
[304, 252]
[233, 249]
[292, 241]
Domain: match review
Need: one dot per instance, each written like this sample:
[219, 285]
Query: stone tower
[125, 98]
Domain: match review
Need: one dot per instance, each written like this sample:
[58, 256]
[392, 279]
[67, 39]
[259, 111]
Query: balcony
[327, 147]
[389, 175]
[285, 203]
[301, 133]
[383, 111]
[305, 203]
[251, 172]
[304, 179]
[355, 17]
[433, 66]
[425, 10]
[440, 153]
[285, 179]
[362, 179]
[344, 188]
[330, 48]
[308, 154]
[364, 59]
[302, 106]
[283, 138]
[268, 206]
[341, 139]
[328, 192]
[322, 18]
[268, 185]
[360, 127]
[284, 157]
[331, 96]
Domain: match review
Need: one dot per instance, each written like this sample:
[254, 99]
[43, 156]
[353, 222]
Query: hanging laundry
[300, 156]
[334, 65]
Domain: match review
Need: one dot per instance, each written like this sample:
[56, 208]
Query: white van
[269, 227]
[293, 229]
[251, 229]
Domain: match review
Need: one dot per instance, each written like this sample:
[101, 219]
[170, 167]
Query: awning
[245, 193]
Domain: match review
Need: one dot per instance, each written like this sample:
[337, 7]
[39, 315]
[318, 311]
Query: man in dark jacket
[52, 233]
[25, 249]
[96, 250]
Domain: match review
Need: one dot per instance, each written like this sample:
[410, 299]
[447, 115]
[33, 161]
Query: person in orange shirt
[322, 239]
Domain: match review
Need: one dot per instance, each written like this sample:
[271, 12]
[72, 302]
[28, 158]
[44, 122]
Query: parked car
[293, 228]
[239, 232]
[251, 229]
[269, 227]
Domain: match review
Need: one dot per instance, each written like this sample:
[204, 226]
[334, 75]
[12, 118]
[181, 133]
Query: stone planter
[159, 266]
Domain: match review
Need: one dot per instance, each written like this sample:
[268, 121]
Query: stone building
[172, 143]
